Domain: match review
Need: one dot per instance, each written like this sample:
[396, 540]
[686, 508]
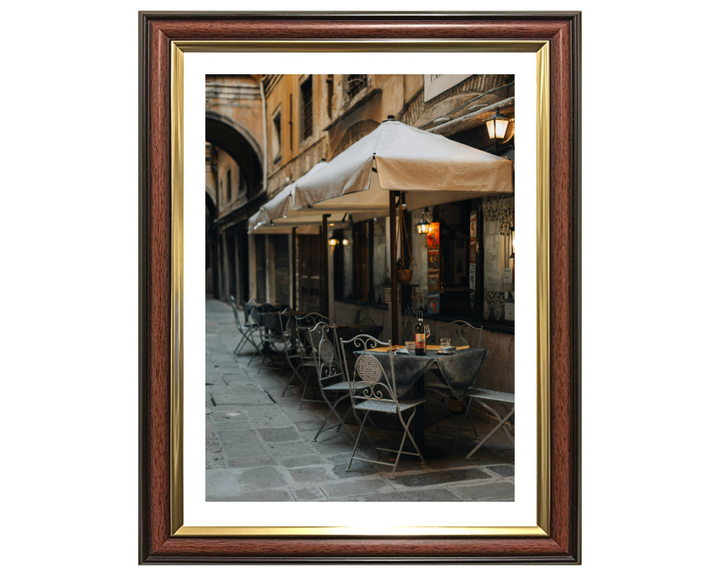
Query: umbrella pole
[325, 270]
[393, 268]
[293, 266]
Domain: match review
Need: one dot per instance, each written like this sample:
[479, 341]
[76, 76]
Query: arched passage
[237, 141]
[211, 270]
[227, 240]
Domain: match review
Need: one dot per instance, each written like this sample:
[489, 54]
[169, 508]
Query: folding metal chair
[254, 310]
[334, 386]
[371, 390]
[481, 395]
[460, 333]
[271, 339]
[246, 329]
[295, 354]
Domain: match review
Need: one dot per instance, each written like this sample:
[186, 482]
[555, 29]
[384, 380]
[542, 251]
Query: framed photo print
[295, 168]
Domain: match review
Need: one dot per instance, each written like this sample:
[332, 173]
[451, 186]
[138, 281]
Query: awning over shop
[432, 169]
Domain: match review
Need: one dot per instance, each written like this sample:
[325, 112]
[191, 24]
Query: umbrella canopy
[280, 210]
[255, 221]
[432, 170]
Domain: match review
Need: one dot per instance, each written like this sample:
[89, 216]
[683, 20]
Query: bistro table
[457, 371]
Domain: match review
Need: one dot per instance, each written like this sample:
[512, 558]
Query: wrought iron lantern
[497, 125]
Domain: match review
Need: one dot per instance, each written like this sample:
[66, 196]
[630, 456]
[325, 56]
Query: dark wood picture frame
[157, 543]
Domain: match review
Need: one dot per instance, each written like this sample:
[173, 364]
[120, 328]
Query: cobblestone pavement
[259, 444]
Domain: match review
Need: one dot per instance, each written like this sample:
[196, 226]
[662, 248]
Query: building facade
[468, 274]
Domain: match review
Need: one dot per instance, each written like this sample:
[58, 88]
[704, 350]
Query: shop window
[470, 271]
[306, 108]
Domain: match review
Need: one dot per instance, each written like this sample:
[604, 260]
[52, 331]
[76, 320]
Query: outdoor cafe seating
[350, 370]
[372, 389]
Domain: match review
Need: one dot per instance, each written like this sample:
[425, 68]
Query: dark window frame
[306, 108]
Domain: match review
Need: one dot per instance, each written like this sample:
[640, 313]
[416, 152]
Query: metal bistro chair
[483, 396]
[311, 319]
[271, 339]
[372, 391]
[246, 329]
[460, 333]
[296, 355]
[312, 344]
[254, 309]
[334, 386]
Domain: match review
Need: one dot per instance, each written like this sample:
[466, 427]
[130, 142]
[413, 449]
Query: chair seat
[342, 386]
[491, 395]
[389, 407]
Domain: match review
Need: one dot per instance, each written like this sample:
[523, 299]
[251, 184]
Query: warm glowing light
[423, 226]
[497, 125]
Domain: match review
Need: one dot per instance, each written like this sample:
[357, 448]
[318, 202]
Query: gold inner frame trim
[542, 49]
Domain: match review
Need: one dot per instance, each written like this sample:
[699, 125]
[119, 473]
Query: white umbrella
[395, 157]
[432, 170]
[280, 211]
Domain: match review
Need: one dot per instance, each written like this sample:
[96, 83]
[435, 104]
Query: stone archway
[240, 144]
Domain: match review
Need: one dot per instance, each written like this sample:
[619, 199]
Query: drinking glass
[444, 342]
[410, 345]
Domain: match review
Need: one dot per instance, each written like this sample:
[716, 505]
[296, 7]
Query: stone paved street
[259, 444]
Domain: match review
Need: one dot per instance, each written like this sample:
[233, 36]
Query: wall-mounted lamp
[345, 242]
[333, 241]
[423, 227]
[497, 125]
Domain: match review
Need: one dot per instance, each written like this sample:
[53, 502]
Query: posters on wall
[433, 244]
[433, 236]
[433, 280]
[434, 303]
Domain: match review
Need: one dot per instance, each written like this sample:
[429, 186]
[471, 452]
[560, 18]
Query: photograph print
[360, 270]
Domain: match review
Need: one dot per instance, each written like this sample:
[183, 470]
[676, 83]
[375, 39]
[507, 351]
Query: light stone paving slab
[279, 434]
[485, 492]
[314, 474]
[356, 487]
[267, 477]
[308, 494]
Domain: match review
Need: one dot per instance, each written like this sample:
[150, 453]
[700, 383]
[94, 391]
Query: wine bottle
[420, 335]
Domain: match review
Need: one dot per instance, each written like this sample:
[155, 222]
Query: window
[277, 140]
[306, 108]
[475, 271]
[355, 83]
[228, 185]
[330, 92]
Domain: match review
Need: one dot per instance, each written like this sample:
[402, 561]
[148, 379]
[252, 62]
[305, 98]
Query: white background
[69, 292]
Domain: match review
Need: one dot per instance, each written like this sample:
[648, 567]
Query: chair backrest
[289, 328]
[369, 380]
[247, 309]
[462, 333]
[324, 340]
[235, 313]
[311, 319]
[271, 321]
[255, 312]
